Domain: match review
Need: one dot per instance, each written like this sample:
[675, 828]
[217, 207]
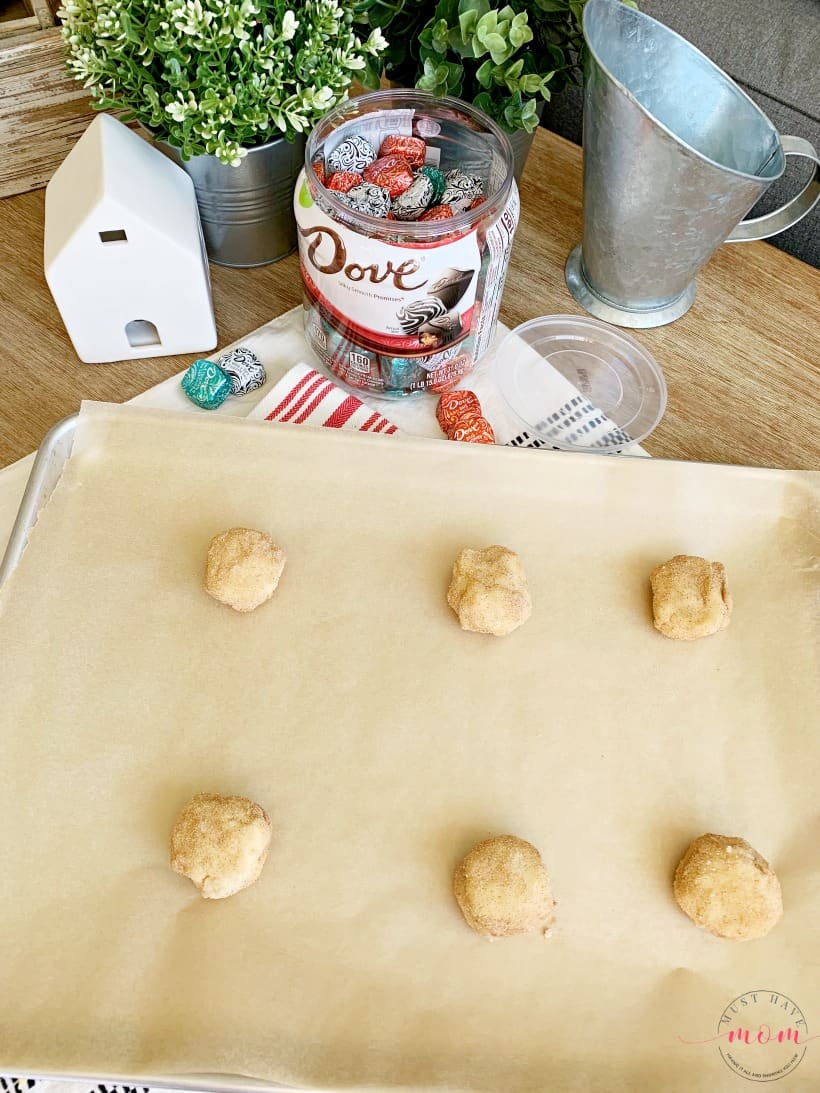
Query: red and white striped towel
[305, 396]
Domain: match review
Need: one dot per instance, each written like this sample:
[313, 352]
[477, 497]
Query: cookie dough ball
[503, 889]
[725, 887]
[220, 843]
[488, 591]
[690, 598]
[243, 568]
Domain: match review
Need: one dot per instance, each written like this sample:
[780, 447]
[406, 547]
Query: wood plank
[742, 367]
[43, 111]
[29, 36]
[9, 28]
[45, 12]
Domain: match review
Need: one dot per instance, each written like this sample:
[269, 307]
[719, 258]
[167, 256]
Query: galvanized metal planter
[246, 211]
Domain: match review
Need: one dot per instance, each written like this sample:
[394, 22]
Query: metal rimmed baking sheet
[383, 740]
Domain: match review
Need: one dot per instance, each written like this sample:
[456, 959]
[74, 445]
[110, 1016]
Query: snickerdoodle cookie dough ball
[243, 568]
[503, 889]
[725, 887]
[488, 591]
[690, 598]
[220, 843]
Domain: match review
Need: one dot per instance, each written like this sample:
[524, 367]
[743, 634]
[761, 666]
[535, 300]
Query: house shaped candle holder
[124, 255]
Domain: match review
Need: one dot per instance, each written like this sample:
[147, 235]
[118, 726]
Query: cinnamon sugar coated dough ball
[243, 568]
[690, 598]
[503, 889]
[488, 591]
[725, 887]
[220, 843]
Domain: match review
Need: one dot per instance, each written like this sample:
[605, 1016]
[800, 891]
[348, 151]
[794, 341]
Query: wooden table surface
[742, 367]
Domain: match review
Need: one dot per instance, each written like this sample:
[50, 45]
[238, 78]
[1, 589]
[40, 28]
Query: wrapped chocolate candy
[417, 312]
[401, 372]
[367, 198]
[462, 190]
[439, 182]
[439, 331]
[451, 286]
[457, 407]
[459, 415]
[206, 384]
[475, 431]
[342, 182]
[412, 149]
[318, 166]
[354, 153]
[414, 201]
[392, 172]
[244, 368]
[438, 212]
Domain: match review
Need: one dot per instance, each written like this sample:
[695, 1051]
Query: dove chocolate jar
[406, 211]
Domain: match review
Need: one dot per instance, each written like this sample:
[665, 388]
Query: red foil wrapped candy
[412, 149]
[455, 407]
[475, 431]
[343, 181]
[392, 172]
[318, 166]
[438, 212]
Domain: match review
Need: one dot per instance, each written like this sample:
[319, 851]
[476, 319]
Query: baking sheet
[384, 741]
[45, 473]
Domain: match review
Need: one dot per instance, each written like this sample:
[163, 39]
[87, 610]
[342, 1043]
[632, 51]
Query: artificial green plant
[217, 76]
[506, 57]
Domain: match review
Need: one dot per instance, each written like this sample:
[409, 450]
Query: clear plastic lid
[579, 384]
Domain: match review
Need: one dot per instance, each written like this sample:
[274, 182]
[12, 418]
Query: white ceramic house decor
[124, 254]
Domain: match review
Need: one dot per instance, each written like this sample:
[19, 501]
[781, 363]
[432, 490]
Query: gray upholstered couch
[772, 49]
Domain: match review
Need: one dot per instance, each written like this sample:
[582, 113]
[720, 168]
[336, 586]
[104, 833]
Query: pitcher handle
[761, 227]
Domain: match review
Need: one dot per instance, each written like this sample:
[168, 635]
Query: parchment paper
[384, 741]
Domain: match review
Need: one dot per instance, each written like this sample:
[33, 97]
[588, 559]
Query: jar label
[398, 298]
[388, 317]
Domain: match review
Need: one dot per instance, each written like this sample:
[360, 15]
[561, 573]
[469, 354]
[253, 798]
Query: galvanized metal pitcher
[675, 155]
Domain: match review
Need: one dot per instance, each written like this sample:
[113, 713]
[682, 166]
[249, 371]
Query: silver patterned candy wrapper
[418, 312]
[440, 331]
[246, 371]
[367, 198]
[462, 190]
[352, 154]
[451, 285]
[415, 199]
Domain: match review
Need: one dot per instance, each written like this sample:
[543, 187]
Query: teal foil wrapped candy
[206, 384]
[439, 182]
[401, 373]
